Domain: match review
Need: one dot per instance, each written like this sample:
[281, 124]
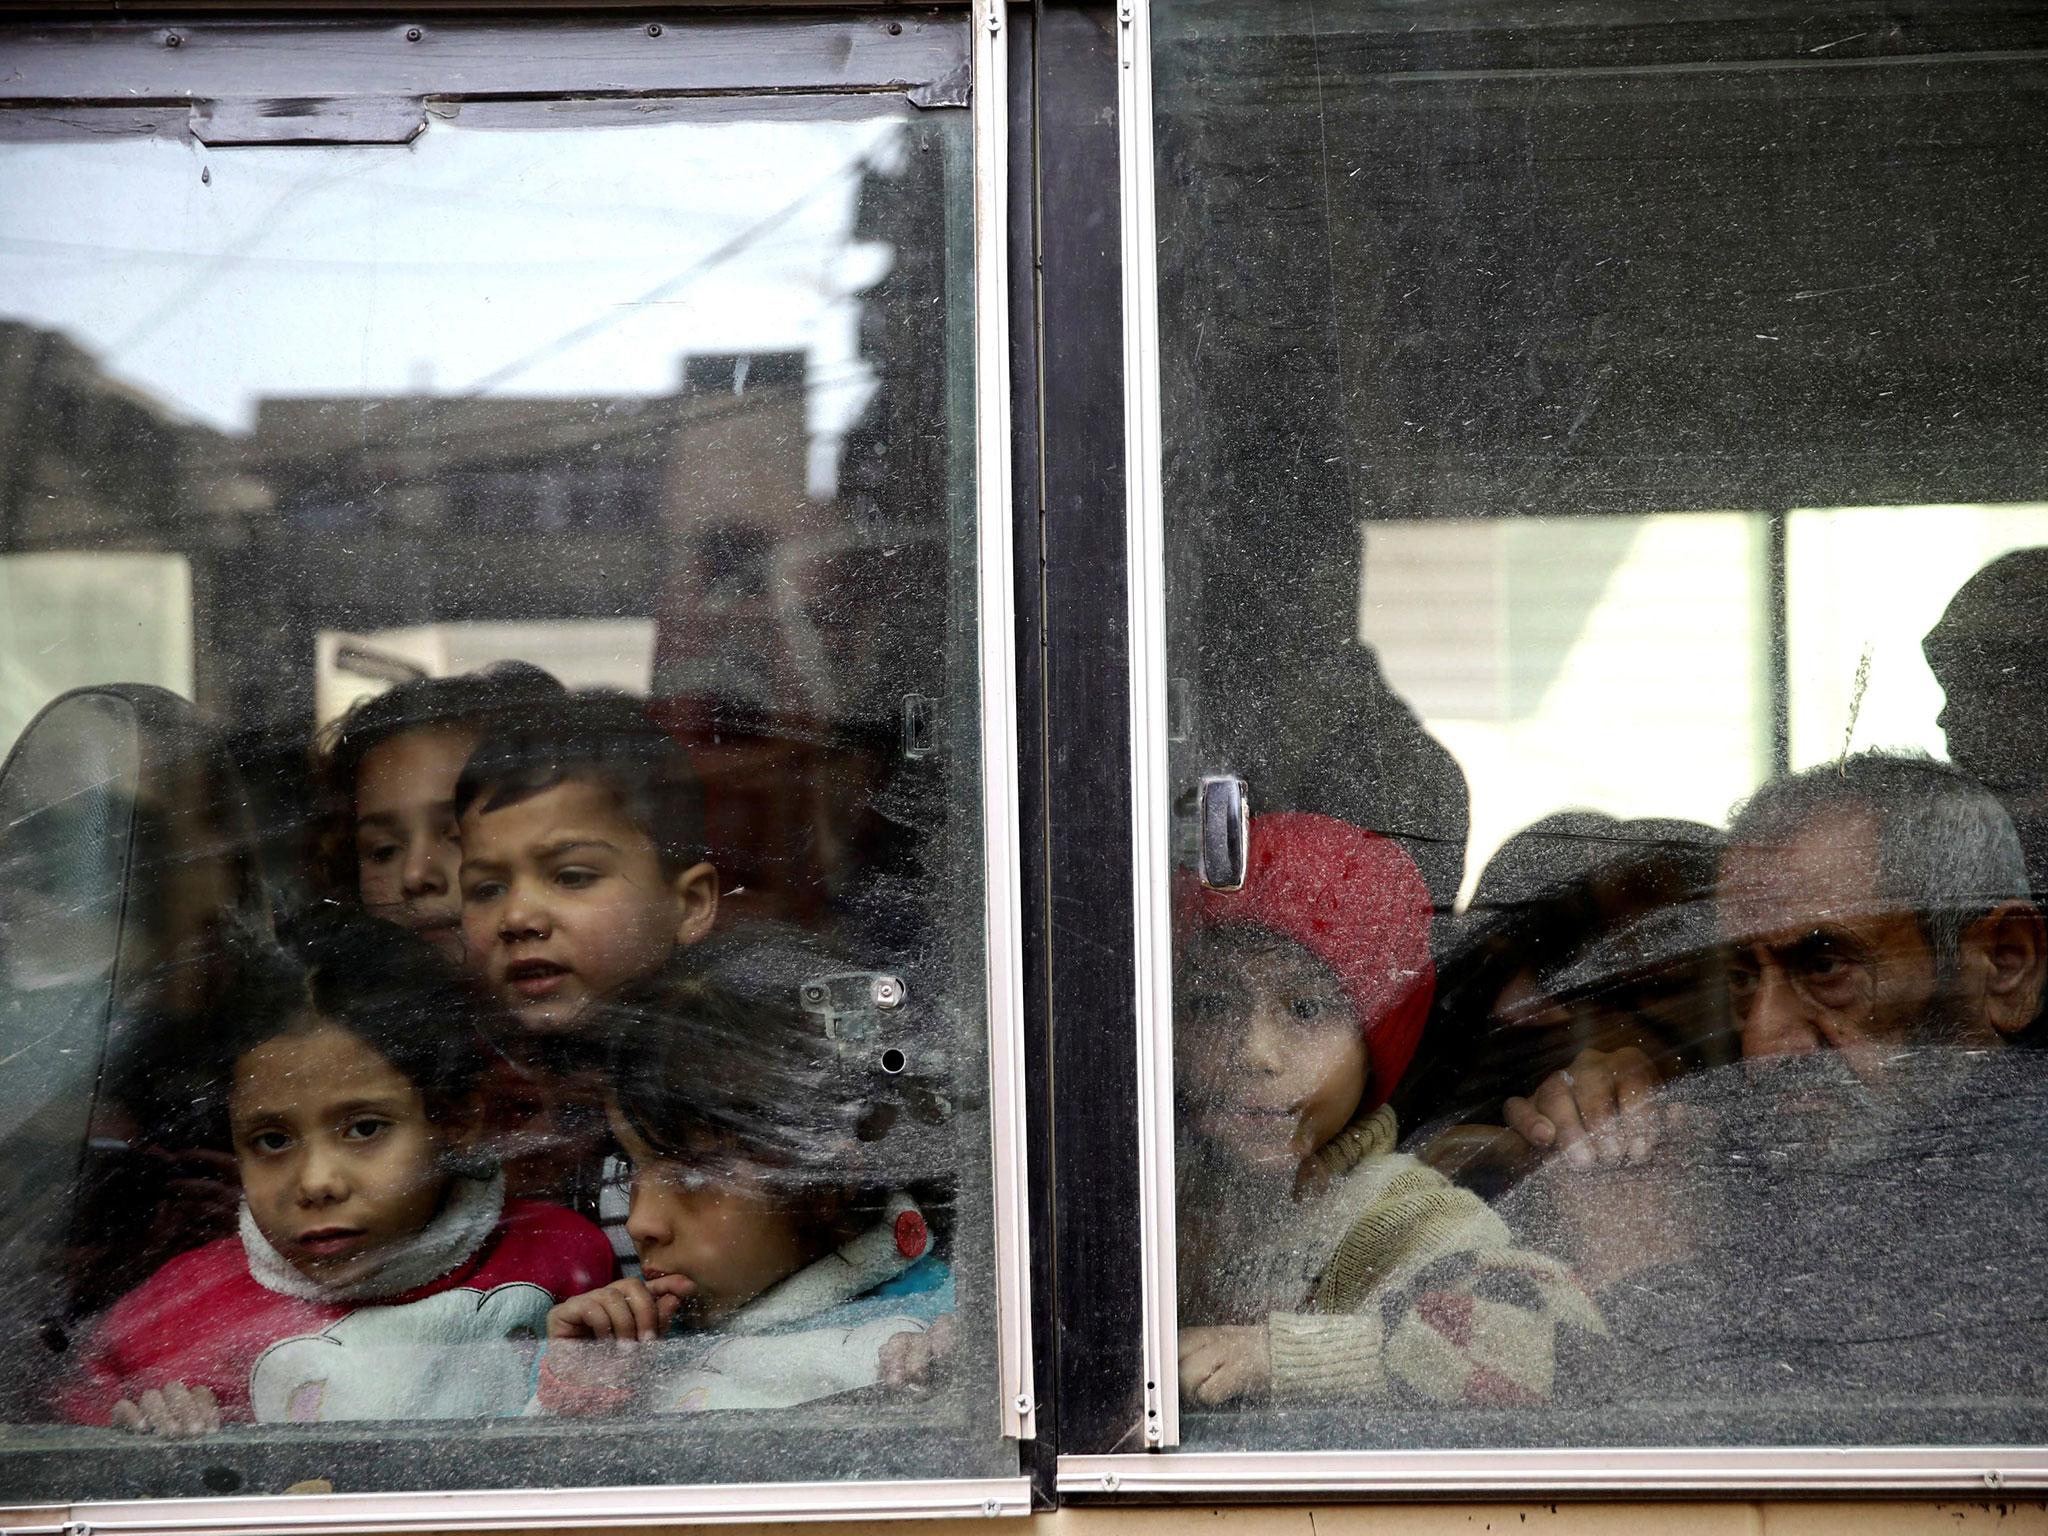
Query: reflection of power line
[227, 256]
[667, 286]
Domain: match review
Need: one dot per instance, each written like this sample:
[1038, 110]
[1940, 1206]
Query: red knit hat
[1355, 901]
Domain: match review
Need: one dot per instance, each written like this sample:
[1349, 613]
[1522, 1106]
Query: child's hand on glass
[1219, 1364]
[911, 1360]
[176, 1411]
[1601, 1111]
[591, 1365]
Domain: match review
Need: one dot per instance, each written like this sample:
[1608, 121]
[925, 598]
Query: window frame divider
[1151, 789]
[996, 617]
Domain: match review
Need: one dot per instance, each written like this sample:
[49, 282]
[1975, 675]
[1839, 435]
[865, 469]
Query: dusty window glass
[490, 832]
[1607, 588]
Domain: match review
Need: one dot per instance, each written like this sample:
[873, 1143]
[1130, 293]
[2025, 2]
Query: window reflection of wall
[1626, 663]
[84, 448]
[1619, 663]
[54, 635]
[1871, 582]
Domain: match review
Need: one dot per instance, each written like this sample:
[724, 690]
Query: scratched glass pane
[490, 832]
[1607, 587]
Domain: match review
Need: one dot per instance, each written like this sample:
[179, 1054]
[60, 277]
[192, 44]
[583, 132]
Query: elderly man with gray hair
[1786, 1239]
[1868, 907]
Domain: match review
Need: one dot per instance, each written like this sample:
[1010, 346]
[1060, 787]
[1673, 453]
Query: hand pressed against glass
[1218, 1365]
[1270, 1060]
[408, 845]
[173, 1411]
[340, 1162]
[565, 900]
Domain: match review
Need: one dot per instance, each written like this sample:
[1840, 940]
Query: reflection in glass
[457, 608]
[1593, 465]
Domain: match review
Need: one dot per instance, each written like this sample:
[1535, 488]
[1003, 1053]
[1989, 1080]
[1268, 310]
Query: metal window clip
[920, 725]
[847, 1002]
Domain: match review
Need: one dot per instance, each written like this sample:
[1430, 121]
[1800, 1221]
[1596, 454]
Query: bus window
[491, 932]
[1606, 585]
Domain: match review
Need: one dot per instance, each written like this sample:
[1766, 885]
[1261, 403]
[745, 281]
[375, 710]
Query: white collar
[871, 1259]
[468, 1216]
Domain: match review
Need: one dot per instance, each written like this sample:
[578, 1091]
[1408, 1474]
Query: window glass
[1607, 582]
[490, 833]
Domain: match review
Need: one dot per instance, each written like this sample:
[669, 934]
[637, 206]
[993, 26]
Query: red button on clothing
[911, 1234]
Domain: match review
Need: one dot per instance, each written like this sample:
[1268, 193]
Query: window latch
[1224, 819]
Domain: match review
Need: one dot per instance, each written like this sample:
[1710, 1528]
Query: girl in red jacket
[380, 1272]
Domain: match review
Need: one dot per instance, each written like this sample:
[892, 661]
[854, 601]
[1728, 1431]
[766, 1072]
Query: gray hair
[1946, 849]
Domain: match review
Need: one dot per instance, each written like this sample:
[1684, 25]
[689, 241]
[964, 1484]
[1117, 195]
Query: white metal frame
[1151, 789]
[1001, 829]
[1003, 942]
[1272, 1474]
[1719, 1471]
[527, 1509]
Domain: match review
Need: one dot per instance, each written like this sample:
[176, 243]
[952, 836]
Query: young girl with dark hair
[379, 1271]
[782, 1256]
[385, 830]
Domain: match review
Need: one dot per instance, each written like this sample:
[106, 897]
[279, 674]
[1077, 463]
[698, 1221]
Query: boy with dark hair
[584, 865]
[584, 870]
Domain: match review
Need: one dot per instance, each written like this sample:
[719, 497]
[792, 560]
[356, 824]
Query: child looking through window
[386, 773]
[380, 1272]
[584, 866]
[783, 1259]
[584, 870]
[1315, 1260]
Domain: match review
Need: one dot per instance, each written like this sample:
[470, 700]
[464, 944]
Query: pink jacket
[451, 1347]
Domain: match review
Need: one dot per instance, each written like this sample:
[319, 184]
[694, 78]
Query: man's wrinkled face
[1817, 959]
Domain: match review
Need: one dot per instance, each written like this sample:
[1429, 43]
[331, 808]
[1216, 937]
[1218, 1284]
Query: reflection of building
[466, 468]
[744, 537]
[392, 511]
[787, 629]
[87, 461]
[104, 495]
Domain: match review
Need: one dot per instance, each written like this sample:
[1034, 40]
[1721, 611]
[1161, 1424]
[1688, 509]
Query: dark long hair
[727, 1062]
[472, 700]
[383, 985]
